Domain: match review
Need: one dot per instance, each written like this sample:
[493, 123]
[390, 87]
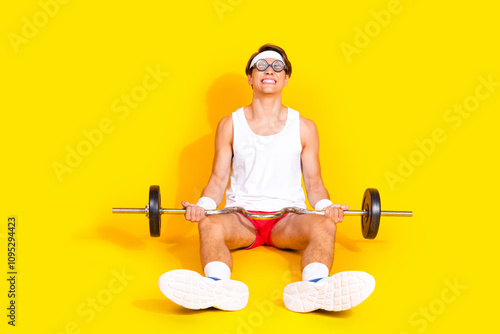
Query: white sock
[315, 270]
[218, 270]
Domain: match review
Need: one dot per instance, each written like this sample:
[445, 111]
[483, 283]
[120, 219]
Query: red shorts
[263, 228]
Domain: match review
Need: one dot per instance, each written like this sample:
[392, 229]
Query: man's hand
[336, 212]
[194, 213]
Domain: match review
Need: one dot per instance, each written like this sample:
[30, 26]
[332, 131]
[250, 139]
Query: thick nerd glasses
[277, 65]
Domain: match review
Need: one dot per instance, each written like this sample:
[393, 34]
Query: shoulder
[225, 129]
[225, 122]
[307, 127]
[308, 133]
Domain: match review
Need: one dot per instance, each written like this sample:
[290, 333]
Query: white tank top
[266, 173]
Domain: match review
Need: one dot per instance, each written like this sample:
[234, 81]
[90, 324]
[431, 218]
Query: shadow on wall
[228, 93]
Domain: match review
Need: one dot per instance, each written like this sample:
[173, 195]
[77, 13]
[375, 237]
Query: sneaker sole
[339, 292]
[193, 291]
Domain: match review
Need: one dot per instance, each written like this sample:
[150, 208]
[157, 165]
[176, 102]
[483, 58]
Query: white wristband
[323, 204]
[207, 203]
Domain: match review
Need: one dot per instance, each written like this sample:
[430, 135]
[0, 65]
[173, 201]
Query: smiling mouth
[268, 81]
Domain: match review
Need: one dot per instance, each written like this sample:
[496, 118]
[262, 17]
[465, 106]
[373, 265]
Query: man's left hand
[336, 212]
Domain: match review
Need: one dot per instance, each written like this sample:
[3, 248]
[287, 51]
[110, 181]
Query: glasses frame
[272, 65]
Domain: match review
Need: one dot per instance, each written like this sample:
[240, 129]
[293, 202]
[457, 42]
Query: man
[265, 149]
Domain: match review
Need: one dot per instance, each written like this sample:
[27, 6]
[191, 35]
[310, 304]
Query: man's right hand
[194, 213]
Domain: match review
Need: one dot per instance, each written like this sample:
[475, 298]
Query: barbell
[370, 212]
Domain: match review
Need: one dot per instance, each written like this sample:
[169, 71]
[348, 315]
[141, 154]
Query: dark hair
[271, 47]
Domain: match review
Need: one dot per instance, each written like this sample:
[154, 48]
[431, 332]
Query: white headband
[266, 54]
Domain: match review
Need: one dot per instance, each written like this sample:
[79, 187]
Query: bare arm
[222, 161]
[220, 169]
[311, 170]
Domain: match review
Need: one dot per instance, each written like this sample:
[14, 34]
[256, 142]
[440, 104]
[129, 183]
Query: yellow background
[67, 76]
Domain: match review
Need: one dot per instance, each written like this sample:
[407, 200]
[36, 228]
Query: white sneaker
[191, 290]
[339, 292]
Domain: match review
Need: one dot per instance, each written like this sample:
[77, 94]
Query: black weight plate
[154, 211]
[370, 223]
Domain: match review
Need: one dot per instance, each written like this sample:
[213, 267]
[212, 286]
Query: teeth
[268, 81]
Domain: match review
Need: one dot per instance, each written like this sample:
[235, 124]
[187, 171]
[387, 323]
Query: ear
[286, 79]
[249, 79]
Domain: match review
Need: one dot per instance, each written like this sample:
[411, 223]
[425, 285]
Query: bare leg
[222, 233]
[218, 235]
[315, 235]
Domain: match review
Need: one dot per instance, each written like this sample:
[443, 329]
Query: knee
[210, 226]
[324, 227]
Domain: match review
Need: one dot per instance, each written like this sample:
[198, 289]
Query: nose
[269, 70]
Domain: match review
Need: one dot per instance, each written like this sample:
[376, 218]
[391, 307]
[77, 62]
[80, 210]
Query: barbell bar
[261, 215]
[370, 212]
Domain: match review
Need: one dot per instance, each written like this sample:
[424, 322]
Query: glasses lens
[278, 66]
[261, 65]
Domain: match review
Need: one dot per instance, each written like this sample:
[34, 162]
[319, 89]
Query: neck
[266, 105]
